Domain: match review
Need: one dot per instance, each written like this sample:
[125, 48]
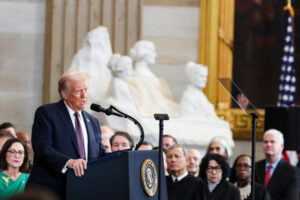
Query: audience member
[35, 193]
[279, 177]
[4, 136]
[13, 160]
[106, 130]
[106, 143]
[121, 141]
[26, 139]
[241, 178]
[146, 146]
[8, 127]
[168, 141]
[193, 161]
[181, 185]
[213, 170]
[220, 145]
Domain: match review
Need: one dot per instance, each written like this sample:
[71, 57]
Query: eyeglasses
[217, 169]
[245, 166]
[20, 152]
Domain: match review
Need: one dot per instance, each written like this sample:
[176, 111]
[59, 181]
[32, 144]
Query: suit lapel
[89, 130]
[276, 172]
[67, 122]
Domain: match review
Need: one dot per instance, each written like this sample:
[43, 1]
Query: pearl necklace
[244, 191]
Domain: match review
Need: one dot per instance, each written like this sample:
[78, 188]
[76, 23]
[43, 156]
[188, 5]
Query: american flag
[287, 86]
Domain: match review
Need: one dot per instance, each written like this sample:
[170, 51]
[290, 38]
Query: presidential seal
[149, 177]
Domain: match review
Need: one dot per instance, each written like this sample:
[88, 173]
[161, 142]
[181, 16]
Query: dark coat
[189, 188]
[225, 191]
[284, 183]
[54, 143]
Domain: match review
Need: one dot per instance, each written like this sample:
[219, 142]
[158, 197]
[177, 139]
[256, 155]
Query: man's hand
[78, 166]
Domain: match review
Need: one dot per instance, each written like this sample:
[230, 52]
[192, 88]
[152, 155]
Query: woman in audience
[241, 177]
[13, 161]
[213, 170]
[121, 141]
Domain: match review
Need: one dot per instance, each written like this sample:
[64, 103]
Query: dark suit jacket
[54, 143]
[284, 183]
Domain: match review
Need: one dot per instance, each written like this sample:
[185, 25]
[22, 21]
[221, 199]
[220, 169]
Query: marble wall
[21, 60]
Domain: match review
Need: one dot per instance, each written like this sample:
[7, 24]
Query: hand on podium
[78, 166]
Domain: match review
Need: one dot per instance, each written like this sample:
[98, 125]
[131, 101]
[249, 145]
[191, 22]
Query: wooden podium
[117, 176]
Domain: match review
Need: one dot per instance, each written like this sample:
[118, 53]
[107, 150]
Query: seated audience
[193, 161]
[4, 136]
[146, 146]
[213, 170]
[168, 141]
[181, 185]
[8, 127]
[121, 141]
[279, 177]
[241, 178]
[13, 160]
[106, 143]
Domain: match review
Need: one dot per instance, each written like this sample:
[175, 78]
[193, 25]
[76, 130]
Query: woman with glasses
[241, 177]
[13, 161]
[213, 170]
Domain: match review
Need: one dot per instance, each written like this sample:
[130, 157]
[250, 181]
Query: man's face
[176, 160]
[167, 142]
[76, 95]
[11, 130]
[217, 148]
[272, 146]
[120, 143]
[193, 161]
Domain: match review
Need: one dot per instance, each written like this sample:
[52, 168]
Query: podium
[286, 120]
[116, 176]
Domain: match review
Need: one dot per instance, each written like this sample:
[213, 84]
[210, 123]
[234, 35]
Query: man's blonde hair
[70, 76]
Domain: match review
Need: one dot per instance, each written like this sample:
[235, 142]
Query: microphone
[107, 111]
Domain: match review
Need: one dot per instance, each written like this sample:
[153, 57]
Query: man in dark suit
[279, 177]
[180, 184]
[64, 136]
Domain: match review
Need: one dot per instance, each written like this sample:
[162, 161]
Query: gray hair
[275, 132]
[174, 146]
[224, 142]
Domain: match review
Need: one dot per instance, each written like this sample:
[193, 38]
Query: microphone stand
[254, 117]
[161, 118]
[110, 111]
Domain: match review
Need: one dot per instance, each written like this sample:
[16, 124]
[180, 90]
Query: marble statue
[135, 90]
[194, 102]
[93, 58]
[143, 53]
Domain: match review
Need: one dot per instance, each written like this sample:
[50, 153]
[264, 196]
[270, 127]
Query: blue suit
[54, 143]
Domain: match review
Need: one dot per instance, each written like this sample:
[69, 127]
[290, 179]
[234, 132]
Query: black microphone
[107, 111]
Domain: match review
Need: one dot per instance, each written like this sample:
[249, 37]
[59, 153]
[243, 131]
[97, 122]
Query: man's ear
[64, 94]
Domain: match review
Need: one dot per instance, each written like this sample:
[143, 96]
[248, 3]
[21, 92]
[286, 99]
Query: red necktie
[268, 175]
[79, 136]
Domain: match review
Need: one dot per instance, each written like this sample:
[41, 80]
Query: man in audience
[181, 185]
[106, 130]
[168, 141]
[193, 161]
[121, 141]
[279, 177]
[106, 143]
[4, 136]
[146, 146]
[8, 127]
